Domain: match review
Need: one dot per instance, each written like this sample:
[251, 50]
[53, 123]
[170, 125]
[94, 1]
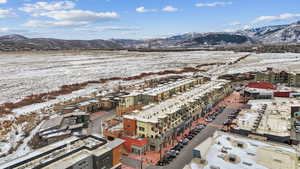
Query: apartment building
[136, 99]
[160, 123]
[230, 151]
[90, 152]
[277, 76]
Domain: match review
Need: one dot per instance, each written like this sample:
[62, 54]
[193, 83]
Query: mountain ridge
[267, 35]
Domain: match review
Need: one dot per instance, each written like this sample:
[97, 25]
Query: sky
[139, 19]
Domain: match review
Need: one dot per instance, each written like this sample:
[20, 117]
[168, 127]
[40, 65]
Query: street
[185, 155]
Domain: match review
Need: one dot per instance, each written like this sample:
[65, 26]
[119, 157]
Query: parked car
[172, 153]
[190, 137]
[200, 127]
[226, 123]
[297, 122]
[208, 120]
[178, 147]
[163, 162]
[168, 156]
[185, 141]
[197, 130]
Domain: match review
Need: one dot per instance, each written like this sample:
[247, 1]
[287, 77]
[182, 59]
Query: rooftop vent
[248, 164]
[214, 167]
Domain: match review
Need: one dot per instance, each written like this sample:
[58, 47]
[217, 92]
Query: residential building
[231, 151]
[160, 123]
[277, 76]
[90, 152]
[266, 90]
[137, 99]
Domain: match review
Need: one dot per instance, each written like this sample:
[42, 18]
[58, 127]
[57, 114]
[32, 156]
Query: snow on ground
[259, 62]
[22, 74]
[22, 149]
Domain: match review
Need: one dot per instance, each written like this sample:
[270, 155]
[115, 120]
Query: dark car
[226, 123]
[171, 153]
[180, 145]
[190, 137]
[163, 162]
[185, 141]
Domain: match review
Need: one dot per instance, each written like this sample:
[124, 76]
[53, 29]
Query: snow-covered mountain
[277, 34]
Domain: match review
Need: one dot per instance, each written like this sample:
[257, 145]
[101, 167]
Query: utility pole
[160, 151]
[141, 159]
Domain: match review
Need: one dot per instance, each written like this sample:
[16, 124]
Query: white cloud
[3, 1]
[80, 15]
[213, 4]
[117, 28]
[47, 6]
[4, 30]
[144, 10]
[234, 23]
[285, 16]
[109, 28]
[7, 13]
[170, 9]
[36, 23]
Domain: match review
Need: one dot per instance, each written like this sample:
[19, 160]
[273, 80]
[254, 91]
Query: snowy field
[23, 74]
[258, 62]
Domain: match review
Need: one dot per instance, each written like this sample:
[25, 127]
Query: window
[279, 161]
[141, 128]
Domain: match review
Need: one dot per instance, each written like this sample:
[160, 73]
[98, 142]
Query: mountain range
[268, 35]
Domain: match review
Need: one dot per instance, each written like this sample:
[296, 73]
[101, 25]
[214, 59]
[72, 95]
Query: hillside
[18, 43]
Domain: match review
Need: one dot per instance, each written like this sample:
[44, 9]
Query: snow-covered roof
[275, 119]
[57, 154]
[249, 153]
[152, 113]
[167, 87]
[51, 123]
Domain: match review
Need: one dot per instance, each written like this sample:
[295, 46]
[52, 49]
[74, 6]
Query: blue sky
[105, 19]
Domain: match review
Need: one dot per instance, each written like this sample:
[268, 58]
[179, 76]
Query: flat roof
[224, 145]
[152, 113]
[167, 87]
[274, 120]
[49, 155]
